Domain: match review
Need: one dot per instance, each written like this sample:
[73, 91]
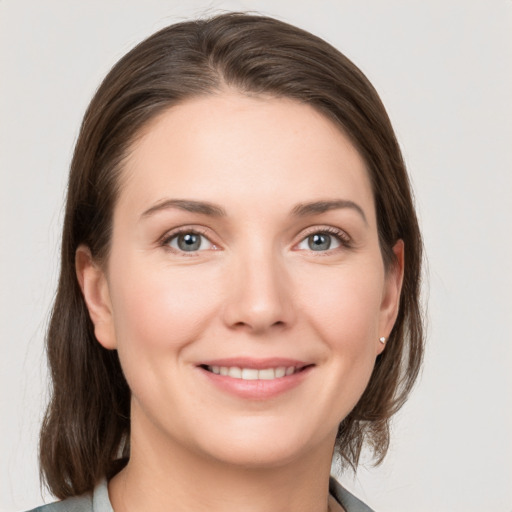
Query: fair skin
[244, 240]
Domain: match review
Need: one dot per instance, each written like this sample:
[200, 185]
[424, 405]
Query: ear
[94, 285]
[391, 297]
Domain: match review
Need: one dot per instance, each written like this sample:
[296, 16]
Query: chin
[263, 448]
[252, 456]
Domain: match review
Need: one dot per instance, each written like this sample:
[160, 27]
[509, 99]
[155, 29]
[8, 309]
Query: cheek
[340, 307]
[160, 310]
[158, 314]
[345, 303]
[343, 307]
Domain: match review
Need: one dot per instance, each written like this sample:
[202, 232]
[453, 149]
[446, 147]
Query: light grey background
[444, 71]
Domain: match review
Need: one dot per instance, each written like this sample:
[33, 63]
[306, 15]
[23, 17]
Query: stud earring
[382, 340]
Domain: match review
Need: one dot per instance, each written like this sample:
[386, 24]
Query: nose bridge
[259, 285]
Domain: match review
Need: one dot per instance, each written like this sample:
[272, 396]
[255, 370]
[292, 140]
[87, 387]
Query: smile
[256, 379]
[236, 372]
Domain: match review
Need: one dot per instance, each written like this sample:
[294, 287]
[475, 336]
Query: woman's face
[245, 290]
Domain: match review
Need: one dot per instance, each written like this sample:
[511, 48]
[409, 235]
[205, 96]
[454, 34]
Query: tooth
[235, 372]
[252, 373]
[249, 374]
[280, 372]
[267, 374]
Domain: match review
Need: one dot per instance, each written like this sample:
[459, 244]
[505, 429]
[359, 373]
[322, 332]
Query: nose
[259, 294]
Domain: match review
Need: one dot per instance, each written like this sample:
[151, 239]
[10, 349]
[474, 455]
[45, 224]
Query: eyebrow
[187, 205]
[300, 210]
[317, 207]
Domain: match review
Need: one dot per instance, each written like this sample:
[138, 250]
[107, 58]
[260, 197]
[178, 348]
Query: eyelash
[168, 237]
[339, 234]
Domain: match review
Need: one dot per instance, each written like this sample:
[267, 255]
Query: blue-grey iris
[319, 242]
[189, 242]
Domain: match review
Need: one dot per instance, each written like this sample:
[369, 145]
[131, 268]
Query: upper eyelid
[197, 229]
[331, 230]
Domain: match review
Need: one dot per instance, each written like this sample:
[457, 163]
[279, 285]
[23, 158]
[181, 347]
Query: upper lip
[257, 364]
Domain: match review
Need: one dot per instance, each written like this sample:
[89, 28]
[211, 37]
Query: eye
[323, 240]
[189, 241]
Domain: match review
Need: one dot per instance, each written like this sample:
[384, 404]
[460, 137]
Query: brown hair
[85, 432]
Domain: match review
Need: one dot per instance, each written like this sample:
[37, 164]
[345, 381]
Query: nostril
[256, 312]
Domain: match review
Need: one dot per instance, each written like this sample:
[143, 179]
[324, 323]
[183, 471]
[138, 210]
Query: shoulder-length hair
[85, 433]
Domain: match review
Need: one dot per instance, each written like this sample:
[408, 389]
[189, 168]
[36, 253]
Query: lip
[256, 389]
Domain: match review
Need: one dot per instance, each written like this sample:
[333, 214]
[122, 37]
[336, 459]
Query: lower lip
[256, 389]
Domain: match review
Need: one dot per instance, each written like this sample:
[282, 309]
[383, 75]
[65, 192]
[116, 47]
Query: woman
[239, 291]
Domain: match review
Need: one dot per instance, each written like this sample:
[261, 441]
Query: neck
[167, 476]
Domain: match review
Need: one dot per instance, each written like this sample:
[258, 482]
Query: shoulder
[96, 501]
[75, 504]
[347, 500]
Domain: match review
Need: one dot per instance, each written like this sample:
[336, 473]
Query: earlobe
[94, 285]
[391, 297]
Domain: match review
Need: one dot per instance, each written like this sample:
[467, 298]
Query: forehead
[227, 146]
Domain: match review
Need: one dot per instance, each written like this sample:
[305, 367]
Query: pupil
[189, 242]
[319, 242]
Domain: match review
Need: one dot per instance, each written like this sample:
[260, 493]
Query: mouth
[251, 373]
[255, 379]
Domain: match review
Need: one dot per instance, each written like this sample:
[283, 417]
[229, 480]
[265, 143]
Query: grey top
[98, 501]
